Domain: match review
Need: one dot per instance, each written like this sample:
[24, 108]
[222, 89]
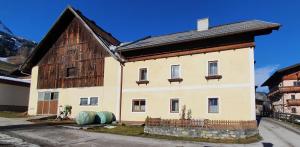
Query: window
[143, 74]
[213, 106]
[71, 72]
[138, 105]
[175, 73]
[46, 96]
[54, 96]
[94, 101]
[293, 96]
[84, 101]
[212, 68]
[297, 83]
[294, 110]
[174, 106]
[41, 96]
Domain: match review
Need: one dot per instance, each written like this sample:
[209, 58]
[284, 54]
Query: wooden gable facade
[75, 59]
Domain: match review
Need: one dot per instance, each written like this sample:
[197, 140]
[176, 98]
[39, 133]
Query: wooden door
[47, 103]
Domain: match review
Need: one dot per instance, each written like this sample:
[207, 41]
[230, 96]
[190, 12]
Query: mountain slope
[12, 45]
[5, 29]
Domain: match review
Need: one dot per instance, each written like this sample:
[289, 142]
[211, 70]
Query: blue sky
[132, 19]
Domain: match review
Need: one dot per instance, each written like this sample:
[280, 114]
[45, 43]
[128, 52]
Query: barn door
[47, 103]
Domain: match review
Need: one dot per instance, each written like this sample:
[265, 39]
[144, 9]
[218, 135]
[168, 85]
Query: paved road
[273, 134]
[276, 135]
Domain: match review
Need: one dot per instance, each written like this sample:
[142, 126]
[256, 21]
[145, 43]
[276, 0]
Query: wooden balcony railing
[285, 89]
[293, 102]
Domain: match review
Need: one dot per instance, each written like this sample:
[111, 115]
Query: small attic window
[71, 72]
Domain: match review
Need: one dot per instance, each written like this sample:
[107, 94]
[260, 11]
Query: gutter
[121, 96]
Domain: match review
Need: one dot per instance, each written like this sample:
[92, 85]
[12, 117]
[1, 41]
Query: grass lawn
[139, 131]
[10, 114]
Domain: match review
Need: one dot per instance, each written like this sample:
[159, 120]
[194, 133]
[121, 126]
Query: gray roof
[262, 96]
[217, 31]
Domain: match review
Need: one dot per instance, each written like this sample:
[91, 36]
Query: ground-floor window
[47, 95]
[174, 105]
[213, 105]
[84, 101]
[138, 105]
[94, 101]
[294, 110]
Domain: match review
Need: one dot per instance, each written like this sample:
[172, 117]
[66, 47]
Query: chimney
[202, 24]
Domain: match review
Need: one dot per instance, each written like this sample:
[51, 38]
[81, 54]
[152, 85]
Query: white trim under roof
[15, 79]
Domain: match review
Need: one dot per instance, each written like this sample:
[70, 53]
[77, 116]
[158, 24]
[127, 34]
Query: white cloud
[262, 74]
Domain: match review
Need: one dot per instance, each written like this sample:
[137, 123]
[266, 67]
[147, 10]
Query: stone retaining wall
[201, 132]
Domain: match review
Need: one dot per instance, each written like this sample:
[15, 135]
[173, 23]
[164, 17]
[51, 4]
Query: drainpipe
[121, 92]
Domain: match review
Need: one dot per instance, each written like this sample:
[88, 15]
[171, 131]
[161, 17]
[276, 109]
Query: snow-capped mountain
[12, 45]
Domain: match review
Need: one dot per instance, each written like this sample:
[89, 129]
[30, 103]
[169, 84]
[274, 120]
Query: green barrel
[104, 117]
[85, 117]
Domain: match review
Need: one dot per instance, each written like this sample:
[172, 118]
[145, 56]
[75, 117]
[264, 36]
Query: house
[14, 94]
[263, 104]
[14, 91]
[209, 70]
[284, 89]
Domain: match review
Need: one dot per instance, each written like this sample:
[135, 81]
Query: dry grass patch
[10, 114]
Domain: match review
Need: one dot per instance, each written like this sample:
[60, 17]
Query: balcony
[285, 89]
[293, 102]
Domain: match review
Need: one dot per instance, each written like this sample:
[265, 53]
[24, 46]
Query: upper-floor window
[175, 71]
[213, 105]
[138, 105]
[212, 68]
[297, 83]
[71, 72]
[143, 74]
[293, 96]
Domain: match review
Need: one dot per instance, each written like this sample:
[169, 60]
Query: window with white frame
[175, 71]
[174, 105]
[212, 68]
[84, 101]
[94, 101]
[138, 105]
[143, 74]
[213, 105]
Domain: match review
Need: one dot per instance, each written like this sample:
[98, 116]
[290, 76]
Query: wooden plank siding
[75, 48]
[292, 76]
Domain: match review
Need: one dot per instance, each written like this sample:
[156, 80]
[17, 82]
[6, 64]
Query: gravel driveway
[273, 134]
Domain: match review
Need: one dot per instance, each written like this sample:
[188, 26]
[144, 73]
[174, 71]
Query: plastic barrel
[85, 117]
[104, 117]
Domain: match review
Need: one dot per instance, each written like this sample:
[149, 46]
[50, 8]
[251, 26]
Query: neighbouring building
[263, 104]
[284, 89]
[14, 94]
[209, 70]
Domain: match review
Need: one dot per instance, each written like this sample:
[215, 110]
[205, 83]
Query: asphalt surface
[273, 134]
